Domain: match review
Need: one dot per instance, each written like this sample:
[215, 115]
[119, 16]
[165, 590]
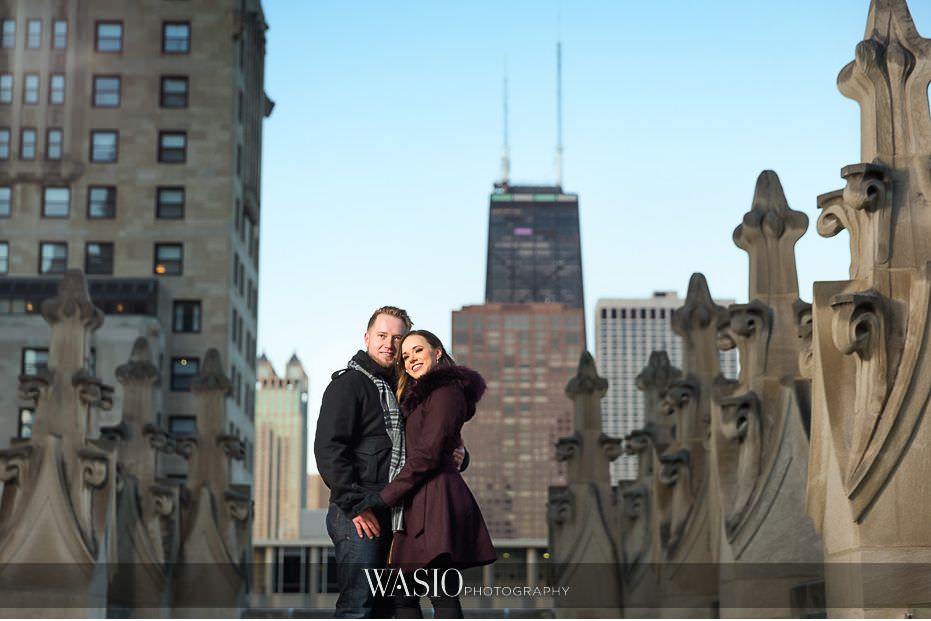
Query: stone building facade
[130, 142]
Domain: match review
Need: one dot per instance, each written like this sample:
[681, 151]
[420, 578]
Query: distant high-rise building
[534, 247]
[526, 353]
[626, 332]
[130, 147]
[318, 494]
[280, 451]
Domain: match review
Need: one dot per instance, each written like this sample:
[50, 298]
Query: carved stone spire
[219, 515]
[59, 486]
[870, 334]
[768, 234]
[681, 486]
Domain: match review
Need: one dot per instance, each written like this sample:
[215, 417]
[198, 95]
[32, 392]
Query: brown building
[527, 353]
[280, 451]
[318, 494]
[130, 147]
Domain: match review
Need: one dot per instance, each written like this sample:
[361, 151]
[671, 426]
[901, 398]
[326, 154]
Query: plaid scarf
[394, 425]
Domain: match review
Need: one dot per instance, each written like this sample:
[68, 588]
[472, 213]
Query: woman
[443, 526]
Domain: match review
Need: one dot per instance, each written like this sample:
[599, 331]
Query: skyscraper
[130, 147]
[280, 450]
[626, 332]
[534, 247]
[526, 353]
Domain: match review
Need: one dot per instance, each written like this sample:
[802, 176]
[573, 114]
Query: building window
[4, 258]
[6, 88]
[53, 140]
[56, 202]
[186, 316]
[4, 143]
[35, 361]
[56, 92]
[176, 37]
[169, 203]
[106, 91]
[27, 143]
[169, 259]
[109, 37]
[6, 201]
[174, 92]
[172, 147]
[104, 146]
[53, 257]
[59, 34]
[101, 201]
[33, 34]
[8, 34]
[182, 425]
[31, 89]
[183, 370]
[26, 418]
[98, 258]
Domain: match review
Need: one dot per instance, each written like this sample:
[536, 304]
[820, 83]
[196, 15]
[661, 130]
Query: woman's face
[418, 356]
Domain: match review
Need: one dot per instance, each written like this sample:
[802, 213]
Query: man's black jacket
[351, 446]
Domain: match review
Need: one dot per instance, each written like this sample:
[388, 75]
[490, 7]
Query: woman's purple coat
[443, 524]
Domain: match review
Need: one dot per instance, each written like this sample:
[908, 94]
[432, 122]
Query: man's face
[383, 338]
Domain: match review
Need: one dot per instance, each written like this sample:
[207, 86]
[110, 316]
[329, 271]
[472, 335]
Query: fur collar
[470, 382]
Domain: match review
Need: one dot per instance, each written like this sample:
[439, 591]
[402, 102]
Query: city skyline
[379, 157]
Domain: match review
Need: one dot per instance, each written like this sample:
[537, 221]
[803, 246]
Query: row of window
[28, 143]
[106, 90]
[58, 41]
[108, 36]
[635, 313]
[104, 145]
[101, 202]
[56, 89]
[98, 258]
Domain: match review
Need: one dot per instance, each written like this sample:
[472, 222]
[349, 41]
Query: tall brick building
[130, 147]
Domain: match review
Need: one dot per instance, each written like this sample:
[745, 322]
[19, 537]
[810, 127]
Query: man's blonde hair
[392, 311]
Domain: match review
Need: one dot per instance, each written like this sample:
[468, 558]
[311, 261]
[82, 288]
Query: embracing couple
[389, 447]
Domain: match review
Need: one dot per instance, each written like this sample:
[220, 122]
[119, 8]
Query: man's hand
[367, 524]
[459, 455]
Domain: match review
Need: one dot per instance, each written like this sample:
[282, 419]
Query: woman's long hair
[404, 380]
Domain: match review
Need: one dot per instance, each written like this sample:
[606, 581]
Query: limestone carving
[871, 375]
[685, 518]
[759, 431]
[147, 509]
[582, 515]
[59, 495]
[216, 532]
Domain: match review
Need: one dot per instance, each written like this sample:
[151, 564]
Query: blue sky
[386, 137]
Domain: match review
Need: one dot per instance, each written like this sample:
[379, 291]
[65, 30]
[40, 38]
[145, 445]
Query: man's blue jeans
[353, 554]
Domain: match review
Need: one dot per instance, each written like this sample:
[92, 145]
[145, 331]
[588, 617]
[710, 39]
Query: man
[358, 447]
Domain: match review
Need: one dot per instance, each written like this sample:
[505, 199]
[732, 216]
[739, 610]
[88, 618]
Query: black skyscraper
[534, 251]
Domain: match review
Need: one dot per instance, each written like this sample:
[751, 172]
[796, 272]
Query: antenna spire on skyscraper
[559, 114]
[505, 147]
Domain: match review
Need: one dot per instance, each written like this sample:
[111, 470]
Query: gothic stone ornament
[583, 516]
[873, 329]
[59, 500]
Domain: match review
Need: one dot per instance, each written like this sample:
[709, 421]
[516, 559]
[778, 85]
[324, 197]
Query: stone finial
[699, 310]
[889, 78]
[73, 300]
[211, 376]
[657, 374]
[587, 382]
[140, 367]
[768, 234]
